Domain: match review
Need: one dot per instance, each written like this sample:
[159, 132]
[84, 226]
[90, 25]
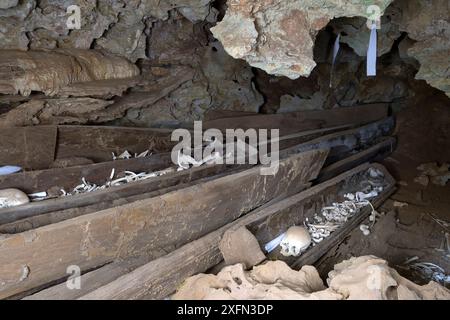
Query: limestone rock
[278, 36]
[273, 280]
[363, 278]
[49, 71]
[126, 37]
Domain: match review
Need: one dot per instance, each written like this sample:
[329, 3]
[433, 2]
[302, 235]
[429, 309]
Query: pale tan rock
[49, 71]
[366, 277]
[278, 36]
[241, 246]
[12, 198]
[273, 280]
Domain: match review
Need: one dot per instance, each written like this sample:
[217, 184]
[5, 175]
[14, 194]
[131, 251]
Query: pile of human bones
[92, 197]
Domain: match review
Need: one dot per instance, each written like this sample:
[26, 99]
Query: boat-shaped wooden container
[160, 277]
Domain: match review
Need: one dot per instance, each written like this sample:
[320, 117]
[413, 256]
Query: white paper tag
[372, 52]
[336, 48]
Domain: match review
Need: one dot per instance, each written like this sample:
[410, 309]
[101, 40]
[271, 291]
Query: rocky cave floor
[411, 230]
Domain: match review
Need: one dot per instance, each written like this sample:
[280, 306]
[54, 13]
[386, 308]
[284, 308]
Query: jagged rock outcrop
[115, 25]
[278, 36]
[362, 278]
[49, 71]
[428, 23]
[217, 82]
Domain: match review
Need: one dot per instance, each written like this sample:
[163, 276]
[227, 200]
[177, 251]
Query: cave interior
[93, 92]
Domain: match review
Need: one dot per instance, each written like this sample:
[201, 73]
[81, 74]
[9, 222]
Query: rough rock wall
[137, 62]
[51, 71]
[185, 70]
[428, 23]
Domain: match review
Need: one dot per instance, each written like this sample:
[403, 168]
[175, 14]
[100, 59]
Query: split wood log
[99, 142]
[306, 120]
[151, 227]
[221, 114]
[160, 277]
[341, 144]
[241, 246]
[42, 213]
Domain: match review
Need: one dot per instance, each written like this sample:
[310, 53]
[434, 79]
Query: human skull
[296, 240]
[12, 198]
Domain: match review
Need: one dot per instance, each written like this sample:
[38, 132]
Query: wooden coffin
[150, 227]
[38, 147]
[306, 120]
[160, 277]
[341, 145]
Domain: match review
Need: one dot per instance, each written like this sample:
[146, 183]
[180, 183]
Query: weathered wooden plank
[306, 120]
[221, 114]
[68, 178]
[28, 147]
[341, 144]
[373, 154]
[150, 227]
[159, 278]
[99, 142]
[38, 214]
